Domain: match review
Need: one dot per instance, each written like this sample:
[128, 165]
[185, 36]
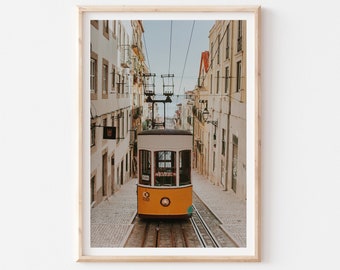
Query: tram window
[165, 169]
[145, 167]
[184, 167]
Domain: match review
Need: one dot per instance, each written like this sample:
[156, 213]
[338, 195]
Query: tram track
[202, 230]
[213, 224]
[168, 233]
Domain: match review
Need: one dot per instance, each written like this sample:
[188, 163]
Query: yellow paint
[149, 200]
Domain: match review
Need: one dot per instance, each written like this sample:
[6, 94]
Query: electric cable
[186, 56]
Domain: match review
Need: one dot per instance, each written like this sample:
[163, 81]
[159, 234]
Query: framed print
[169, 132]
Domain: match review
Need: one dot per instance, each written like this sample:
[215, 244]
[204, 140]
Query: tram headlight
[165, 201]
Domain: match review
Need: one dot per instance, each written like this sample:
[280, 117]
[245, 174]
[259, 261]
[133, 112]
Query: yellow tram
[164, 188]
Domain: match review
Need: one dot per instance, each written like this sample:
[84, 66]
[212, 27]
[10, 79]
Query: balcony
[137, 112]
[125, 56]
[138, 52]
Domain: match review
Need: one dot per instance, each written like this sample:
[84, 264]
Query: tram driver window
[184, 167]
[145, 167]
[165, 169]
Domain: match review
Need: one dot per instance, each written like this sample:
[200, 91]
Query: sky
[184, 60]
[157, 43]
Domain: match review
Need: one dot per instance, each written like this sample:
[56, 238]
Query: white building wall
[109, 108]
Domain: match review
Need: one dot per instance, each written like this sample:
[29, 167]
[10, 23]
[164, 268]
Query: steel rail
[206, 228]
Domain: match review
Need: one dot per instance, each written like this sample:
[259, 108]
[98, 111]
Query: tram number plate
[146, 177]
[165, 174]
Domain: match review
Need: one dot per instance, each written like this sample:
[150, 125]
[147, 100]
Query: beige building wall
[225, 130]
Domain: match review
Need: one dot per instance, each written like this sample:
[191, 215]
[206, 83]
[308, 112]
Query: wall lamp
[205, 118]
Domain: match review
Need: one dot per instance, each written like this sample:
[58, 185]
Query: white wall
[300, 136]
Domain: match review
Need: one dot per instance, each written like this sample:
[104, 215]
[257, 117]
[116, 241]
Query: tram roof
[165, 132]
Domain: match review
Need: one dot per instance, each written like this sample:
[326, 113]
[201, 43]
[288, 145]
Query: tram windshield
[165, 169]
[184, 167]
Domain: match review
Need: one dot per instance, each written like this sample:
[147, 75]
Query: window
[127, 122]
[118, 128]
[145, 167]
[214, 160]
[104, 125]
[218, 48]
[126, 162]
[165, 169]
[114, 26]
[118, 82]
[239, 36]
[113, 81]
[119, 33]
[123, 84]
[234, 163]
[223, 142]
[226, 80]
[93, 75]
[123, 128]
[217, 81]
[105, 77]
[93, 187]
[106, 29]
[227, 55]
[184, 167]
[211, 83]
[93, 134]
[238, 76]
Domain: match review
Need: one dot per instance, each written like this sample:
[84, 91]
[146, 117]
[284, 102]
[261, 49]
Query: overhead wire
[186, 56]
[146, 51]
[223, 94]
[170, 46]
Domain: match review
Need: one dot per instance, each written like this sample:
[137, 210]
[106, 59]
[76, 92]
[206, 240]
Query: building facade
[110, 90]
[219, 109]
[138, 69]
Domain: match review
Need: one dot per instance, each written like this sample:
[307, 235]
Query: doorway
[112, 174]
[104, 175]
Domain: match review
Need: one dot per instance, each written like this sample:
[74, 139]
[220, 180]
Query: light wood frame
[256, 256]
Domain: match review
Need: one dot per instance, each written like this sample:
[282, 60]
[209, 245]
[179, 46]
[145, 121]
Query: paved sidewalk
[111, 219]
[225, 205]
